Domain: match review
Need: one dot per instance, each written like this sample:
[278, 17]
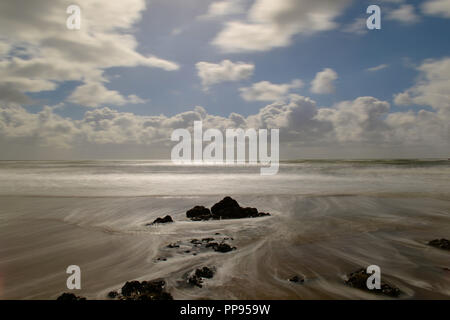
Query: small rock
[173, 245]
[205, 272]
[440, 243]
[223, 247]
[145, 290]
[195, 281]
[358, 279]
[211, 244]
[69, 297]
[113, 294]
[297, 279]
[207, 239]
[197, 278]
[199, 213]
[166, 219]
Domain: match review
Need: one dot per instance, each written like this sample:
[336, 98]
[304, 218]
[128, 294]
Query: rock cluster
[145, 290]
[69, 297]
[227, 208]
[440, 243]
[197, 278]
[358, 279]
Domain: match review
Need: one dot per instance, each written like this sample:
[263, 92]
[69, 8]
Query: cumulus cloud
[437, 7]
[214, 73]
[271, 24]
[9, 94]
[323, 83]
[431, 88]
[364, 122]
[360, 120]
[94, 94]
[406, 14]
[267, 91]
[49, 53]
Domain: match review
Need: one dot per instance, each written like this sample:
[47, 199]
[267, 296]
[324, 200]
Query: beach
[328, 218]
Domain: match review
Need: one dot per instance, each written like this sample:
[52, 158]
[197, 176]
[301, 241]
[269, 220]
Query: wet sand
[321, 238]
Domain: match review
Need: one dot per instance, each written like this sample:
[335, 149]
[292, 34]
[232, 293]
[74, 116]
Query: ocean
[328, 218]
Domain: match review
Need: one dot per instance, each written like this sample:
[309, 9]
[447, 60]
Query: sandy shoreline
[49, 234]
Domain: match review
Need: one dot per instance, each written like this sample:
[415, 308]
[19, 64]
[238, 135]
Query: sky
[136, 70]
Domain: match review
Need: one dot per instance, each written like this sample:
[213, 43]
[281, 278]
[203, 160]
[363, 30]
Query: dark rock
[220, 247]
[196, 241]
[199, 213]
[166, 219]
[211, 244]
[197, 278]
[440, 243]
[69, 297]
[145, 290]
[207, 239]
[205, 272]
[358, 279]
[227, 208]
[223, 247]
[113, 294]
[173, 245]
[195, 281]
[297, 279]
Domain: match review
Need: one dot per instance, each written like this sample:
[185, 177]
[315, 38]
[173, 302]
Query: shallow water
[329, 218]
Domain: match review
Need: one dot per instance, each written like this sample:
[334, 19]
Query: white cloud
[94, 94]
[437, 7]
[323, 83]
[360, 124]
[10, 94]
[405, 14]
[377, 68]
[214, 73]
[52, 54]
[360, 120]
[267, 91]
[432, 87]
[272, 24]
